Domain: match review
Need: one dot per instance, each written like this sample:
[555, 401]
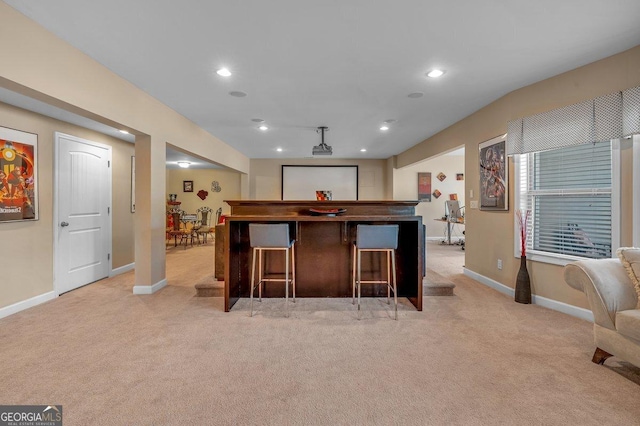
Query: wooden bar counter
[323, 247]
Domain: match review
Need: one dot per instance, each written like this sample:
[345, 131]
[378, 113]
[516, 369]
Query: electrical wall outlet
[471, 193]
[474, 204]
[500, 264]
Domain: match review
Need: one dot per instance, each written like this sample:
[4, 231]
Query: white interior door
[83, 201]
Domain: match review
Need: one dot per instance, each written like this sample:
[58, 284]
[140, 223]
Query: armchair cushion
[628, 323]
[630, 258]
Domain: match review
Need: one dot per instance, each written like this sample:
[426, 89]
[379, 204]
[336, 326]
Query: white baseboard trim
[26, 304]
[565, 308]
[149, 289]
[122, 269]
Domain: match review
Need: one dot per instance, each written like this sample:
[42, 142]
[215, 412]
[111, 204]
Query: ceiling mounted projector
[323, 148]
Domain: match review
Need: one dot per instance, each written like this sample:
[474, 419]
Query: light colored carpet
[476, 358]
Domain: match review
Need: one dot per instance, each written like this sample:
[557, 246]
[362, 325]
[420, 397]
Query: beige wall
[490, 235]
[265, 180]
[405, 187]
[37, 64]
[229, 182]
[28, 270]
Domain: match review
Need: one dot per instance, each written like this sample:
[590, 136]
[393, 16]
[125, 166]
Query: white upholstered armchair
[613, 301]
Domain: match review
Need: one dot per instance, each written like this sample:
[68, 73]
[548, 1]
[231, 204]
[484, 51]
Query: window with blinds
[569, 193]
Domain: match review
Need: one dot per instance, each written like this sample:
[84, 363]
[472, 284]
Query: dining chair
[180, 229]
[204, 228]
[264, 238]
[176, 230]
[376, 238]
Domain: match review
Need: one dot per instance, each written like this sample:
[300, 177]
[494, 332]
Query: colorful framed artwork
[437, 194]
[424, 187]
[18, 175]
[187, 186]
[441, 176]
[459, 176]
[494, 181]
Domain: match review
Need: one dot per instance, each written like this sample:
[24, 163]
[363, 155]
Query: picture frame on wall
[424, 187]
[187, 186]
[494, 176]
[18, 175]
[133, 184]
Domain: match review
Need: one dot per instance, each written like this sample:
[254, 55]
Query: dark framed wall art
[494, 181]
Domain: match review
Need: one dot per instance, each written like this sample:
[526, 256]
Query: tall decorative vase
[523, 283]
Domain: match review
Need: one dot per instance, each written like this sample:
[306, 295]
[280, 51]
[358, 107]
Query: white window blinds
[569, 192]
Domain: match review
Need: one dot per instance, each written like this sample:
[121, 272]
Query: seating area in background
[187, 229]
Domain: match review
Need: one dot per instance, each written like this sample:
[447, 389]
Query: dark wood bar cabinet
[323, 246]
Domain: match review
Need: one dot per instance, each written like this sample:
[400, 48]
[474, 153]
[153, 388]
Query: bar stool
[272, 237]
[376, 238]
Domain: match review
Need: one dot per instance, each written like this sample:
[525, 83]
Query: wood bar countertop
[323, 246]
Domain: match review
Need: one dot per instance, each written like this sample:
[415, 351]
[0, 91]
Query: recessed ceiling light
[238, 94]
[124, 131]
[435, 73]
[384, 128]
[184, 164]
[415, 95]
[257, 120]
[223, 72]
[263, 128]
[363, 150]
[279, 149]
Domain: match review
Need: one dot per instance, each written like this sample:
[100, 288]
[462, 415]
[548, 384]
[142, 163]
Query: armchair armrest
[606, 285]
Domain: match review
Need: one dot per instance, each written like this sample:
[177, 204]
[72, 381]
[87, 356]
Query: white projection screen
[302, 182]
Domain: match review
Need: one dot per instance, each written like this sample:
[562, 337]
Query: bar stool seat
[376, 238]
[271, 237]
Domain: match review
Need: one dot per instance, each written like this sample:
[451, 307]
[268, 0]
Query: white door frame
[56, 227]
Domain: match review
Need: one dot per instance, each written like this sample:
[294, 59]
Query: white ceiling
[347, 64]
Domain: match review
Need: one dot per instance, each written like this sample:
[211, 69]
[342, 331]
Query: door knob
[63, 224]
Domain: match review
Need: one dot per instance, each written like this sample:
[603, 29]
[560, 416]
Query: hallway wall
[28, 246]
